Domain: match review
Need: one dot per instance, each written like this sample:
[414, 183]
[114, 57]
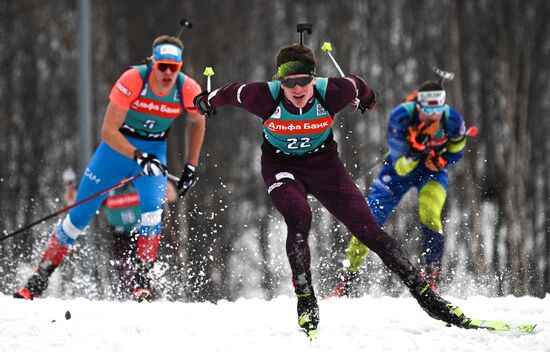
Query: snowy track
[364, 324]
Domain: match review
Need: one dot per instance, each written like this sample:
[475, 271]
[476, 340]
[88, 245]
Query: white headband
[431, 98]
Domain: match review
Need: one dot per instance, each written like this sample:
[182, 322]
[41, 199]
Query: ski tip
[495, 325]
[310, 330]
[529, 328]
[312, 334]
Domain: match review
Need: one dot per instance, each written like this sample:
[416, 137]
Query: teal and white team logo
[321, 110]
[277, 113]
[149, 124]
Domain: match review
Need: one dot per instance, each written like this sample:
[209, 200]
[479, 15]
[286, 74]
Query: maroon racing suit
[289, 177]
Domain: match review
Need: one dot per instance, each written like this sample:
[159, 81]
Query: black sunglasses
[301, 81]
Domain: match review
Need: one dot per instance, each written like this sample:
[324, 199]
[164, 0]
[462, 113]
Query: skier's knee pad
[431, 199]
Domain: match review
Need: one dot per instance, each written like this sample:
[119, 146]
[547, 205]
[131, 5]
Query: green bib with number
[298, 134]
[150, 115]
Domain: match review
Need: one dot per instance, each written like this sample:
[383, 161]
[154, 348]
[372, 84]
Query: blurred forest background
[226, 240]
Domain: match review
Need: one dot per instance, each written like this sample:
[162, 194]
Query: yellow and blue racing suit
[400, 173]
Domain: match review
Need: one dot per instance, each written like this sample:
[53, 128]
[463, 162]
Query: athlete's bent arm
[114, 117]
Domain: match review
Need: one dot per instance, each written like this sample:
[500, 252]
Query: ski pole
[173, 178]
[208, 72]
[59, 212]
[471, 131]
[375, 164]
[327, 47]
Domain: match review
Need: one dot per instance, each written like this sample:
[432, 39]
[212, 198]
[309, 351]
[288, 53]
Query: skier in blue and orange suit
[144, 102]
[425, 136]
[300, 157]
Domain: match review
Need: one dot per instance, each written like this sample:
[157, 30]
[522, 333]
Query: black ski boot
[437, 307]
[141, 290]
[308, 310]
[37, 283]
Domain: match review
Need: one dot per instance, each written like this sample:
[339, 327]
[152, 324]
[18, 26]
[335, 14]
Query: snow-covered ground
[361, 324]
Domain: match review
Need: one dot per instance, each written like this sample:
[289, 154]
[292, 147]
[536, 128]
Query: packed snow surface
[359, 324]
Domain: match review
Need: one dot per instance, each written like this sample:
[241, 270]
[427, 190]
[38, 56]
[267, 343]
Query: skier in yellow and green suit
[425, 136]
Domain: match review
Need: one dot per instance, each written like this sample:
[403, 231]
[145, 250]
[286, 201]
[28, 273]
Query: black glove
[150, 164]
[188, 179]
[202, 104]
[371, 105]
